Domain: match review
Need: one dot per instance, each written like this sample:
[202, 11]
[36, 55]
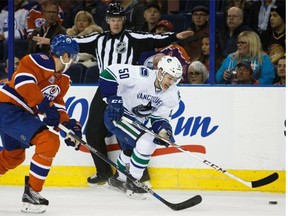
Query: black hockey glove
[115, 108]
[76, 127]
[165, 131]
[52, 117]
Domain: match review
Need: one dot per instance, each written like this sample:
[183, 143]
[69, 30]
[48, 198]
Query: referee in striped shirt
[117, 45]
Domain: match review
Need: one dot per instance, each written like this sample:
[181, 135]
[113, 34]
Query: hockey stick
[252, 184]
[175, 206]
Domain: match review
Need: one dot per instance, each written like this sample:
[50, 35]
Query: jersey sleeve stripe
[15, 96]
[24, 78]
[59, 106]
[108, 75]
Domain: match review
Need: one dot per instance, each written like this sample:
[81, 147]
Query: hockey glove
[76, 127]
[115, 109]
[165, 131]
[52, 117]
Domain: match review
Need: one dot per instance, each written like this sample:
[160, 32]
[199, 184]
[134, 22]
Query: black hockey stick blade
[186, 204]
[267, 180]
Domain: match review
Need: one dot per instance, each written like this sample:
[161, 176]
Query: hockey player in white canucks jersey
[143, 95]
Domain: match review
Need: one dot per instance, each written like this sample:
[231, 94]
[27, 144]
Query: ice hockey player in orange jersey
[38, 86]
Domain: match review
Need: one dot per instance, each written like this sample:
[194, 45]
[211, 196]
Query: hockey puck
[273, 202]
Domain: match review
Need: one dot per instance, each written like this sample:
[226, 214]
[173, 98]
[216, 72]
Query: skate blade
[96, 185]
[138, 196]
[147, 183]
[114, 188]
[30, 208]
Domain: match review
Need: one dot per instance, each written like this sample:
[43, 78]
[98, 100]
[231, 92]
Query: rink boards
[239, 129]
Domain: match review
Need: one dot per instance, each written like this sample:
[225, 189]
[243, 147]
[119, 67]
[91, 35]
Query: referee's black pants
[96, 133]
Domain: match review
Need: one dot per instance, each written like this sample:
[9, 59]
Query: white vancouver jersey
[136, 86]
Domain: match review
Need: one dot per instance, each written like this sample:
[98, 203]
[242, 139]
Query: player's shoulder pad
[43, 61]
[172, 97]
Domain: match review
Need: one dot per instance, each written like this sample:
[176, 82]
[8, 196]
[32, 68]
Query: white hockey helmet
[172, 66]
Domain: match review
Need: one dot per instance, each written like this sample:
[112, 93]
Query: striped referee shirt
[124, 47]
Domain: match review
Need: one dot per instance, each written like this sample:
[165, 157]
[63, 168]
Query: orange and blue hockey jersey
[35, 78]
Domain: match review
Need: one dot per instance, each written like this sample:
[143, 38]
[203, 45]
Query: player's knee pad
[145, 144]
[11, 159]
[126, 134]
[46, 143]
[18, 155]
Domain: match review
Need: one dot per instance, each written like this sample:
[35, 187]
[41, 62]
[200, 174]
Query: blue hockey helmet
[64, 44]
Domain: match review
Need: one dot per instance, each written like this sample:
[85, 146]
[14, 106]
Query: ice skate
[98, 180]
[33, 202]
[115, 183]
[145, 179]
[133, 191]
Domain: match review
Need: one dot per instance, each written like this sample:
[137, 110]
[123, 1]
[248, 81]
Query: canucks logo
[121, 47]
[144, 72]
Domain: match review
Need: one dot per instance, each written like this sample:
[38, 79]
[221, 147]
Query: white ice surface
[105, 202]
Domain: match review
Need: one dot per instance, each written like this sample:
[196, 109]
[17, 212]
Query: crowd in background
[250, 38]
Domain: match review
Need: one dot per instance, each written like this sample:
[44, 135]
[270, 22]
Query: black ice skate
[33, 202]
[98, 179]
[145, 179]
[115, 183]
[134, 191]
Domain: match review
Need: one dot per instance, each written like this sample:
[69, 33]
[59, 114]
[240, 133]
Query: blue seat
[190, 4]
[76, 73]
[92, 75]
[178, 21]
[20, 48]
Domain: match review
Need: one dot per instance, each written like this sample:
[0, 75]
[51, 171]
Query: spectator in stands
[258, 18]
[97, 9]
[41, 36]
[163, 26]
[249, 48]
[205, 51]
[244, 73]
[163, 5]
[35, 18]
[281, 71]
[200, 27]
[4, 70]
[197, 73]
[205, 46]
[244, 5]
[21, 10]
[274, 40]
[151, 16]
[228, 37]
[83, 25]
[71, 8]
[174, 49]
[134, 11]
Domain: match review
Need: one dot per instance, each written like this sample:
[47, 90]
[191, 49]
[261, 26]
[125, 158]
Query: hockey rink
[106, 202]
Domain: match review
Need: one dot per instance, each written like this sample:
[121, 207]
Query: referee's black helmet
[115, 9]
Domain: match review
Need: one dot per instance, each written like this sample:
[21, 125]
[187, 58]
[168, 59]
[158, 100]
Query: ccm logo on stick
[214, 166]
